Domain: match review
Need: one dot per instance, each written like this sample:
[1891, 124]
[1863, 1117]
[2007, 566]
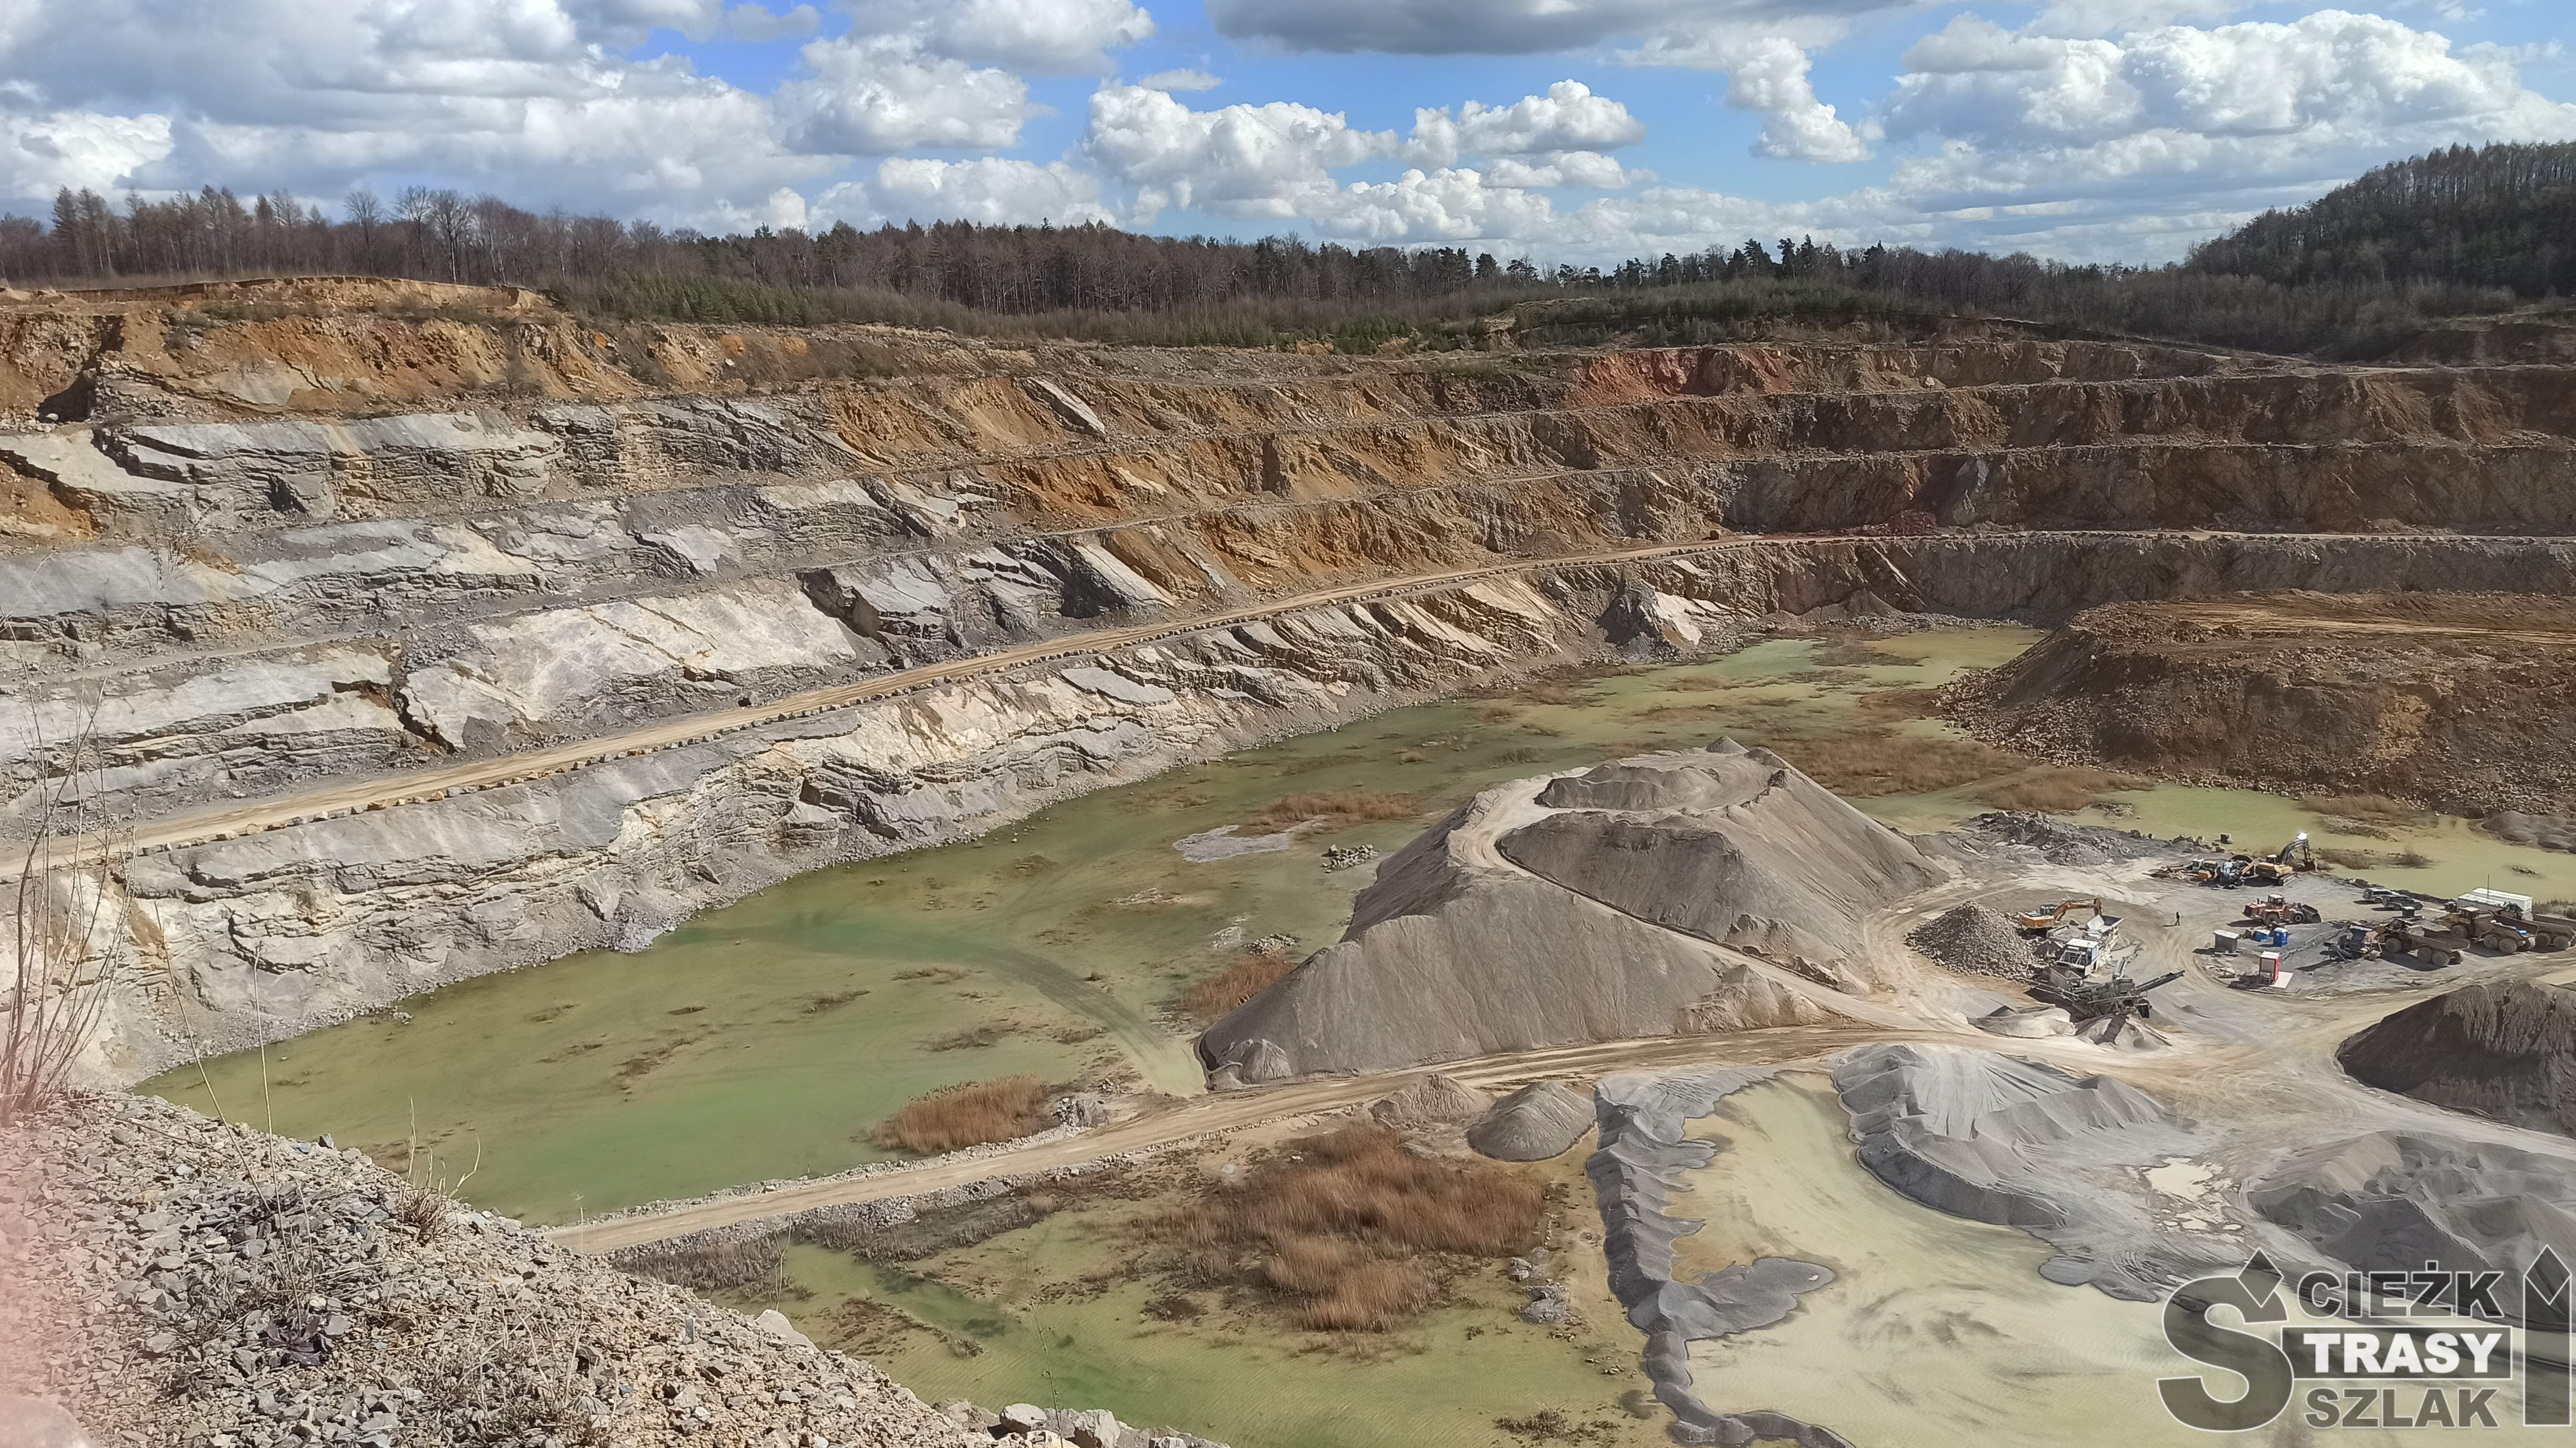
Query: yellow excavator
[2049, 917]
[2293, 857]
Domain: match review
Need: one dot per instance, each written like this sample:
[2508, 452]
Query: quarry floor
[762, 1040]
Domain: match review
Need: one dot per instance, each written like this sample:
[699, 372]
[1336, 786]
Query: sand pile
[1644, 1158]
[2505, 1050]
[1586, 908]
[1429, 1101]
[1976, 940]
[1541, 1120]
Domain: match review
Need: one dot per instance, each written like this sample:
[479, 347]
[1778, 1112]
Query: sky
[1580, 131]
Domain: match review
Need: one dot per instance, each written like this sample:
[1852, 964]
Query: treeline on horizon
[2455, 232]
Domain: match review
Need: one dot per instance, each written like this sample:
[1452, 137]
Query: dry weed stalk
[67, 934]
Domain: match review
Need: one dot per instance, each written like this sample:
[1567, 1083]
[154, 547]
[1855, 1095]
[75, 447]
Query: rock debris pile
[217, 1287]
[1975, 940]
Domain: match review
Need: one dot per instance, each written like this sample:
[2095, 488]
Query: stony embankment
[287, 555]
[179, 1281]
[2455, 697]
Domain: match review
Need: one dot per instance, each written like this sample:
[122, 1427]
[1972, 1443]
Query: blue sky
[1581, 130]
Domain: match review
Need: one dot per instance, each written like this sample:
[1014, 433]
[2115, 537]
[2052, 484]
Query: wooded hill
[2352, 273]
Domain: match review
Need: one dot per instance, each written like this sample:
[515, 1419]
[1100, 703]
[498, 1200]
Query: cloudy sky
[1567, 130]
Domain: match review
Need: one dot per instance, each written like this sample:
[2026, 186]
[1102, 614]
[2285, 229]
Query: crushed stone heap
[2505, 1050]
[1976, 940]
[1590, 907]
[2390, 1200]
[1541, 1120]
[191, 1282]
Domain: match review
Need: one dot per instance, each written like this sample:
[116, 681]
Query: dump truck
[2049, 917]
[2556, 932]
[2409, 936]
[2279, 909]
[2087, 999]
[2491, 928]
[2547, 932]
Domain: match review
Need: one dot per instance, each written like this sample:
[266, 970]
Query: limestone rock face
[352, 541]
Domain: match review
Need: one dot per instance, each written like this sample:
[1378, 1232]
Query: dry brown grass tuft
[1334, 1228]
[1898, 704]
[2369, 809]
[1250, 975]
[2062, 789]
[422, 1210]
[1865, 762]
[969, 1115]
[1341, 807]
[2346, 857]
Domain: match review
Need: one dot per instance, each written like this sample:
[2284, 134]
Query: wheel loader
[2279, 909]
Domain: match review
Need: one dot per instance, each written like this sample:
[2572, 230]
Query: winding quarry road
[384, 791]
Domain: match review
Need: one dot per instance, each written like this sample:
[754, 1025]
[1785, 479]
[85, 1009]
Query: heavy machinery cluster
[2440, 932]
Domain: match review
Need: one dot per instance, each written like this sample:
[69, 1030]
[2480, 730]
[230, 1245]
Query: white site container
[2224, 942]
[2497, 900]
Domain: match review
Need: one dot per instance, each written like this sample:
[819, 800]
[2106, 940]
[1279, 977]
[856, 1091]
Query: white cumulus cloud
[1240, 160]
[992, 190]
[875, 95]
[1057, 37]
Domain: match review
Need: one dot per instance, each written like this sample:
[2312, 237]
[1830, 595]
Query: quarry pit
[653, 723]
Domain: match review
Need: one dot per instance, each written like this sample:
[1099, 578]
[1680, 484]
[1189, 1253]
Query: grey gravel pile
[1975, 940]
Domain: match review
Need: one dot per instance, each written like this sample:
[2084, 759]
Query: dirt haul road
[178, 831]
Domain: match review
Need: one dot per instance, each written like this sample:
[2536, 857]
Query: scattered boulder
[1547, 1305]
[1080, 1109]
[1541, 1120]
[775, 1323]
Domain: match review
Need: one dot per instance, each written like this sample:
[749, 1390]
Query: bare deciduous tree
[67, 939]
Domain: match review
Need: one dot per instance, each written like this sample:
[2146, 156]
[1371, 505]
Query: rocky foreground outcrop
[2461, 700]
[1670, 894]
[170, 1280]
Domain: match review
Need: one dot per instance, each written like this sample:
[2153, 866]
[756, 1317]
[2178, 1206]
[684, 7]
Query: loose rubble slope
[2459, 700]
[202, 1283]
